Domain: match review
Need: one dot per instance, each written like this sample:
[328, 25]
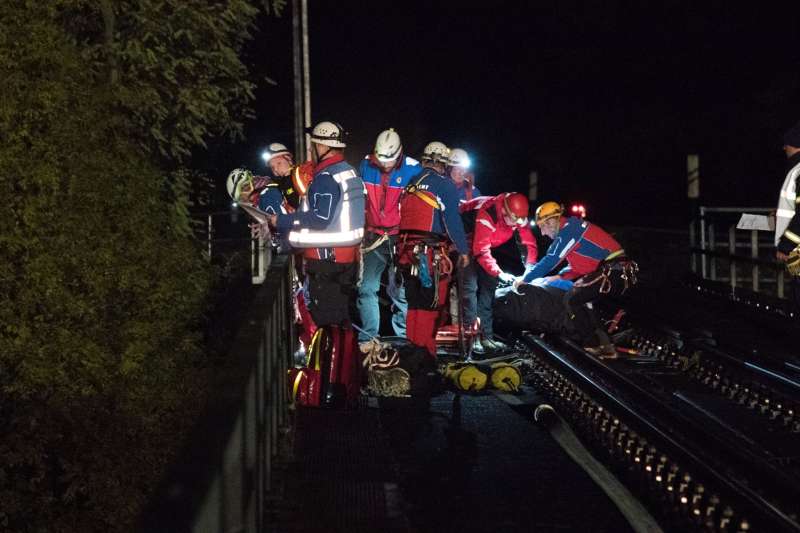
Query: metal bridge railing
[223, 479]
[741, 258]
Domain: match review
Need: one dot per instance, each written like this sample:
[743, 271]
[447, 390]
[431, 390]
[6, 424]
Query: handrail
[222, 479]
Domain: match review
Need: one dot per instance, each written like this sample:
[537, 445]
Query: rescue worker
[596, 267]
[458, 169]
[490, 221]
[282, 195]
[787, 222]
[329, 227]
[386, 173]
[429, 222]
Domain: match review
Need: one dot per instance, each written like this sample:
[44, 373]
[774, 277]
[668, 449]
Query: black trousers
[330, 291]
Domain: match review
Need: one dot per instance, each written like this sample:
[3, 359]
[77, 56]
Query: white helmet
[459, 158]
[388, 146]
[236, 179]
[273, 150]
[329, 134]
[436, 152]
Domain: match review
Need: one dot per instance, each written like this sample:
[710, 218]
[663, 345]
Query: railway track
[710, 440]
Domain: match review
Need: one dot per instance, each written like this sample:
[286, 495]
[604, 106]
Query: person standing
[386, 173]
[787, 221]
[491, 221]
[329, 227]
[458, 164]
[429, 223]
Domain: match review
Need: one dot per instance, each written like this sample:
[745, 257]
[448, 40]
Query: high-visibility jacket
[487, 228]
[384, 190]
[429, 205]
[330, 222]
[582, 245]
[787, 223]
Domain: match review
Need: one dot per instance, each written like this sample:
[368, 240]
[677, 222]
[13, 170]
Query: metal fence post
[732, 248]
[703, 241]
[754, 255]
[712, 245]
[780, 282]
[210, 235]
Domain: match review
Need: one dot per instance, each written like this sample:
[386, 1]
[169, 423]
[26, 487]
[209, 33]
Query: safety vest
[787, 203]
[346, 225]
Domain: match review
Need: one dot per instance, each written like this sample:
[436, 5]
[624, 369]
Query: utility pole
[298, 81]
[302, 79]
[306, 80]
[533, 186]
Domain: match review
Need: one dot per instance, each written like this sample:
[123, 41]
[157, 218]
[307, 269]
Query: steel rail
[662, 423]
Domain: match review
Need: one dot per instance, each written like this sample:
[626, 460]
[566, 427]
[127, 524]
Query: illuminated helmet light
[459, 158]
[274, 150]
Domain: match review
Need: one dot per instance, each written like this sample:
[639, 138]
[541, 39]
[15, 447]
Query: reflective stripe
[342, 177]
[789, 195]
[304, 236]
[792, 236]
[486, 223]
[612, 255]
[785, 213]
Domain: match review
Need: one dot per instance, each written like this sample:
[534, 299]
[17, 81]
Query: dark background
[603, 98]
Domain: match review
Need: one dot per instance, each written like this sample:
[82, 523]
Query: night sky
[603, 98]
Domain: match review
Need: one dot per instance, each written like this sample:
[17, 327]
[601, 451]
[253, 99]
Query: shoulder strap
[412, 188]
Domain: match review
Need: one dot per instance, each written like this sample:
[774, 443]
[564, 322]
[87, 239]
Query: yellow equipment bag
[466, 377]
[506, 377]
[793, 263]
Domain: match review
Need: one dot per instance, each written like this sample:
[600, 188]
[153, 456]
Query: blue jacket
[581, 244]
[323, 220]
[271, 200]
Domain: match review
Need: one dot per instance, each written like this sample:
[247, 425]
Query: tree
[102, 288]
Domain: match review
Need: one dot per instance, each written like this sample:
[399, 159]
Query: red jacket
[491, 230]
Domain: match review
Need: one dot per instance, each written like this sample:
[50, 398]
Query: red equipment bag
[306, 382]
[345, 363]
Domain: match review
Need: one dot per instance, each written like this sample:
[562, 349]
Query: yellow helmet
[548, 210]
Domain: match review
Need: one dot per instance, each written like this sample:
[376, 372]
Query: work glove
[505, 277]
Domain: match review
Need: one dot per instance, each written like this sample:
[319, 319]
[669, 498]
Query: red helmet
[516, 207]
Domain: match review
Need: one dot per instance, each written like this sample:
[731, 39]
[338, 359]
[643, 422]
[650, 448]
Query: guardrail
[221, 481]
[740, 258]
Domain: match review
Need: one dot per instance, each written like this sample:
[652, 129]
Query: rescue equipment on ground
[466, 377]
[306, 382]
[793, 262]
[506, 377]
[384, 375]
